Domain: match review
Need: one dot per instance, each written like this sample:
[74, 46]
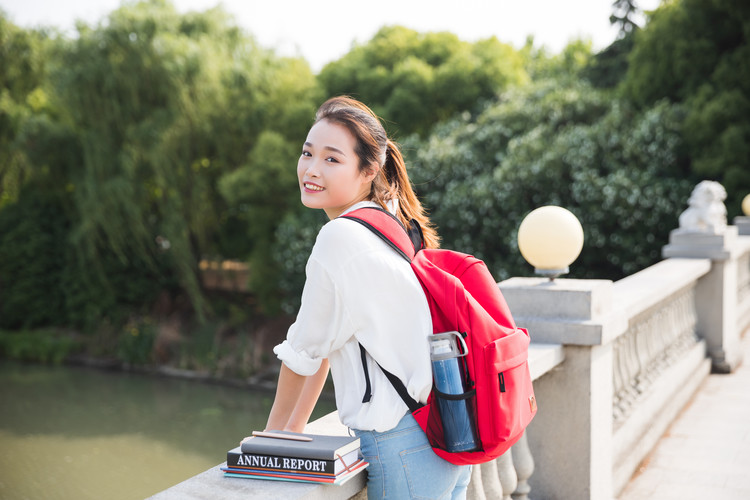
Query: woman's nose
[312, 169]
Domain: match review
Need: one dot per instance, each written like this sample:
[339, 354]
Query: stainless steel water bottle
[457, 415]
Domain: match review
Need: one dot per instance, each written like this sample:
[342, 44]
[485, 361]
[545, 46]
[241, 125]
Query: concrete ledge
[743, 225]
[571, 332]
[562, 299]
[212, 485]
[544, 357]
[564, 311]
[655, 411]
[645, 289]
[692, 244]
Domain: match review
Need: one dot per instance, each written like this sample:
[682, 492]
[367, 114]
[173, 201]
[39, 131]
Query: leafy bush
[45, 346]
[33, 253]
[620, 172]
[135, 343]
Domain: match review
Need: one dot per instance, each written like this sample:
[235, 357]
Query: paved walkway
[705, 453]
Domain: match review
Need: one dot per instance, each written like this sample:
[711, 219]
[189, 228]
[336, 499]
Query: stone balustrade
[635, 352]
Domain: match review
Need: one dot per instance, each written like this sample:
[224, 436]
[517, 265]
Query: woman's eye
[306, 153]
[331, 159]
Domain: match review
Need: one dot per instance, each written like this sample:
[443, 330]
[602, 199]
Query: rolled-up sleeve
[322, 325]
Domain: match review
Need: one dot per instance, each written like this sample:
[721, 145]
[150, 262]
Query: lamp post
[550, 238]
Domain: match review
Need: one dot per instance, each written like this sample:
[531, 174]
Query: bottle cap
[446, 345]
[440, 346]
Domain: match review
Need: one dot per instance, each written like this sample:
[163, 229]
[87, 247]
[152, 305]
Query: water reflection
[81, 433]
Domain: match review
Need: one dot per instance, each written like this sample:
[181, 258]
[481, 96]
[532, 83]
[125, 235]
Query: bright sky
[325, 30]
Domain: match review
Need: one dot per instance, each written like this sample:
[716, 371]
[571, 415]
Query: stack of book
[289, 456]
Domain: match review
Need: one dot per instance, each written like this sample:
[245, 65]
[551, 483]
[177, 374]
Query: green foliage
[135, 343]
[22, 76]
[685, 42]
[415, 80]
[697, 52]
[260, 192]
[620, 172]
[33, 234]
[295, 238]
[565, 66]
[609, 67]
[42, 282]
[153, 109]
[43, 346]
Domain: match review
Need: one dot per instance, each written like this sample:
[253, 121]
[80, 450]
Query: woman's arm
[306, 402]
[295, 399]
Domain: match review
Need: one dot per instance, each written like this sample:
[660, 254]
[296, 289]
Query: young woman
[360, 291]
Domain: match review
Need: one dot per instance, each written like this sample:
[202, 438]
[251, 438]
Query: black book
[315, 446]
[255, 461]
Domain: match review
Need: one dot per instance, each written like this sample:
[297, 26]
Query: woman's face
[328, 170]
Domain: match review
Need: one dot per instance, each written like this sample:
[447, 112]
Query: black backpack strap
[413, 404]
[415, 235]
[368, 388]
[406, 242]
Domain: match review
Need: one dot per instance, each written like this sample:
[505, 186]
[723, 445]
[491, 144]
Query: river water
[81, 433]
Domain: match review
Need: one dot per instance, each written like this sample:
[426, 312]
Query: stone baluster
[523, 462]
[475, 491]
[507, 474]
[491, 480]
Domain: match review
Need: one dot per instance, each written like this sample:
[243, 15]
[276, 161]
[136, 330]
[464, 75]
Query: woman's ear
[371, 172]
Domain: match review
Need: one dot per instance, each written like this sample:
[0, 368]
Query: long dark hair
[374, 147]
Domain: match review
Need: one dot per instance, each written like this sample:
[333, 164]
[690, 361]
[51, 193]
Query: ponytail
[392, 183]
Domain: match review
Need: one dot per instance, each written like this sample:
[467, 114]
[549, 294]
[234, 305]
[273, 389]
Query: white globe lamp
[550, 238]
[746, 205]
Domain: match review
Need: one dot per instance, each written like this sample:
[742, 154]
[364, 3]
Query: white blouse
[358, 289]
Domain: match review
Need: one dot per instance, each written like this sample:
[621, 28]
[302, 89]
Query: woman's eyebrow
[329, 148]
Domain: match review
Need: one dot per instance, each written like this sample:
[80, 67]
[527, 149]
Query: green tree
[608, 68]
[623, 12]
[697, 52]
[262, 191]
[22, 94]
[565, 66]
[418, 79]
[153, 111]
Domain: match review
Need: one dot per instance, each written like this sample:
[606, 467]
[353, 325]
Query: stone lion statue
[706, 212]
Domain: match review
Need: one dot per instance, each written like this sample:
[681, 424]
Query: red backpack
[464, 297]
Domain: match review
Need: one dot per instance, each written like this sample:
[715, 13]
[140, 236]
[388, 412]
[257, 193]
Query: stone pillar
[716, 292]
[704, 234]
[742, 224]
[571, 435]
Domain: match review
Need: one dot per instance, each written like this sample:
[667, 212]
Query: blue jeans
[403, 466]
